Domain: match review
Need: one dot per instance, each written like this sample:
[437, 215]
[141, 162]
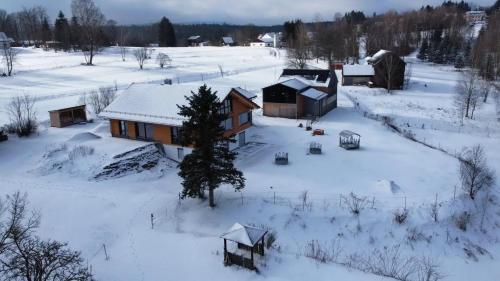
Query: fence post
[405, 202]
[105, 252]
[373, 202]
[340, 201]
[152, 221]
[274, 198]
[241, 198]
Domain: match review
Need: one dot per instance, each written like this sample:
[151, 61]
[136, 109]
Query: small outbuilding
[228, 41]
[357, 74]
[248, 239]
[68, 116]
[349, 140]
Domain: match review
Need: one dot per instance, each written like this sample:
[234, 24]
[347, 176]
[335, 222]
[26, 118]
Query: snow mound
[83, 137]
[387, 186]
[102, 129]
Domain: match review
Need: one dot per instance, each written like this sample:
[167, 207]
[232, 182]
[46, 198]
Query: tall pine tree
[211, 162]
[166, 33]
[62, 31]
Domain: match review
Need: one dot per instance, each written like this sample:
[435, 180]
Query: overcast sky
[259, 12]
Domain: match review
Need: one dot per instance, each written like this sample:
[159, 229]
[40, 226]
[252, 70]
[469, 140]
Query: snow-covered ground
[391, 172]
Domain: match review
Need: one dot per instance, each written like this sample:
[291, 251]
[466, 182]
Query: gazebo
[247, 238]
[349, 140]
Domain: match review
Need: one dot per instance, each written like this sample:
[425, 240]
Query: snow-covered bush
[22, 116]
[462, 220]
[80, 152]
[355, 203]
[323, 252]
[401, 216]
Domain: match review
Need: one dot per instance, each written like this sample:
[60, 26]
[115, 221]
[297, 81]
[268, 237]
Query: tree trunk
[211, 198]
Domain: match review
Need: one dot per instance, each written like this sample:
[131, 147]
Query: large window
[227, 124]
[123, 129]
[226, 106]
[144, 131]
[245, 117]
[176, 133]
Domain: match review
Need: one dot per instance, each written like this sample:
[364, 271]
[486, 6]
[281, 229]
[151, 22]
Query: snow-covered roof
[154, 103]
[314, 94]
[4, 38]
[64, 104]
[228, 40]
[358, 70]
[377, 56]
[243, 234]
[295, 83]
[194, 37]
[247, 94]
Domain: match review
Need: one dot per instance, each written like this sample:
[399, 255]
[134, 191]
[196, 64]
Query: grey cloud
[235, 11]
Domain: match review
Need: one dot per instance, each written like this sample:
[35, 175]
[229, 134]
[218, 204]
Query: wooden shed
[68, 116]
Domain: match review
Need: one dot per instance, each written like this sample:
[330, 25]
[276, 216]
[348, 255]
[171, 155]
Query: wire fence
[324, 200]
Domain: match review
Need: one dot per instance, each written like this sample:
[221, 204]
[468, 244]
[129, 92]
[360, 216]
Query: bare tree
[91, 21]
[467, 94]
[485, 89]
[163, 60]
[141, 55]
[99, 100]
[299, 49]
[389, 64]
[475, 174]
[24, 256]
[9, 56]
[22, 115]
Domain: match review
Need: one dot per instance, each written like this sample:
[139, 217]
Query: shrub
[80, 152]
[355, 203]
[462, 221]
[401, 215]
[22, 116]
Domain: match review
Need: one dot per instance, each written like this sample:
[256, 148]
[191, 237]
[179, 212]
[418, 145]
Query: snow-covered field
[390, 171]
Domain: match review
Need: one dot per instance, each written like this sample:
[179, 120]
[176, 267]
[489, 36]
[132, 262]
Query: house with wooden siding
[301, 93]
[389, 69]
[149, 112]
[357, 74]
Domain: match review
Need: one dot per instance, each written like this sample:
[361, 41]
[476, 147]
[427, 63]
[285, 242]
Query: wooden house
[196, 41]
[67, 116]
[302, 93]
[149, 112]
[389, 69]
[357, 74]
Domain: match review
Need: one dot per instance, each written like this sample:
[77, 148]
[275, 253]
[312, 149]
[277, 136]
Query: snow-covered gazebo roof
[243, 234]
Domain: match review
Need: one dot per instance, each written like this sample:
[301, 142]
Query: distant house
[228, 41]
[68, 115]
[387, 66]
[475, 16]
[268, 40]
[196, 41]
[357, 74]
[302, 93]
[5, 41]
[149, 112]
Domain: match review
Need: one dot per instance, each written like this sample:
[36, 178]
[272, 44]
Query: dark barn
[307, 94]
[389, 70]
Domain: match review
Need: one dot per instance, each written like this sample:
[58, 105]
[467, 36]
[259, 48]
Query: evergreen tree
[211, 162]
[75, 33]
[166, 33]
[46, 33]
[422, 53]
[460, 62]
[62, 31]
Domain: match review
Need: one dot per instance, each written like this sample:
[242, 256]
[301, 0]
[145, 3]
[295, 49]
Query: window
[245, 117]
[123, 129]
[227, 124]
[144, 131]
[226, 106]
[176, 133]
